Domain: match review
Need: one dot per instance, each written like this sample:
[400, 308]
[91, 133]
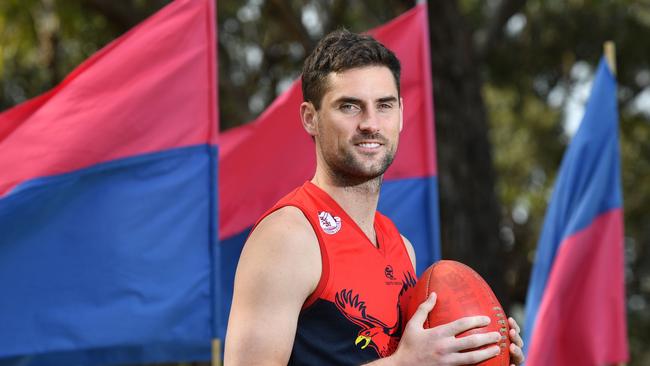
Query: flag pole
[213, 97]
[610, 56]
[216, 352]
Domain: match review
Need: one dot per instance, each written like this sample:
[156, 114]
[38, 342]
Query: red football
[461, 292]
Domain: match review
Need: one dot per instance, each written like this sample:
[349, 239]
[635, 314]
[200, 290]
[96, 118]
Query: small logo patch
[388, 272]
[330, 224]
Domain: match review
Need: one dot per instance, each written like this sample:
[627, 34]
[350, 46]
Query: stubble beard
[347, 170]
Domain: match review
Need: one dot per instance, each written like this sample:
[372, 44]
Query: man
[323, 278]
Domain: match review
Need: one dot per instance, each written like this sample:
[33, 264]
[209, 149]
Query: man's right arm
[279, 267]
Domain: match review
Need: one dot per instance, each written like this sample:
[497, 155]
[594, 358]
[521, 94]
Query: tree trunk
[469, 209]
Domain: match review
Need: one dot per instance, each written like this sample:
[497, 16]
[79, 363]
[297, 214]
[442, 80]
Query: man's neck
[358, 200]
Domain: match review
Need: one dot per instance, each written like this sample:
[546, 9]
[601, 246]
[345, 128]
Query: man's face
[358, 125]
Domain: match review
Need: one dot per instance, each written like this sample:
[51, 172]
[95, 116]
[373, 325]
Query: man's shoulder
[285, 215]
[284, 240]
[287, 223]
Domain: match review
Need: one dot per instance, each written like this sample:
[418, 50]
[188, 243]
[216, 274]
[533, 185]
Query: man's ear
[309, 118]
[401, 113]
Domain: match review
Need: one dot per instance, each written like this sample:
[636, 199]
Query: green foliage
[42, 41]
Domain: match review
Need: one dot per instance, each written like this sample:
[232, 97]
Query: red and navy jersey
[357, 312]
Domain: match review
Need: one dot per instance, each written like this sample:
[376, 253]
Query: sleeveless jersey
[356, 314]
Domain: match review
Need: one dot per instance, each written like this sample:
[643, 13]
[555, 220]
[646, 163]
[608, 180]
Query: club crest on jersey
[330, 224]
[388, 272]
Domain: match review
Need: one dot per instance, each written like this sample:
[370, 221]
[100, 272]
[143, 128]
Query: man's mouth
[369, 145]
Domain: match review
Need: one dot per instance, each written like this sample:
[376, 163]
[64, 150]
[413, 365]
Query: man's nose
[370, 122]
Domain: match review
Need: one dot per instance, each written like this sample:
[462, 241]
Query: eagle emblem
[374, 333]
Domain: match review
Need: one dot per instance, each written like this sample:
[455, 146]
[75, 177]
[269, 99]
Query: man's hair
[339, 51]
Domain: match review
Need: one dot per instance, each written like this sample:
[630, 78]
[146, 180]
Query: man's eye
[385, 106]
[348, 108]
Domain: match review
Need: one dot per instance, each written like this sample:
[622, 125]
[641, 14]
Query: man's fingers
[514, 325]
[516, 338]
[423, 310]
[473, 357]
[517, 344]
[474, 341]
[516, 354]
[463, 324]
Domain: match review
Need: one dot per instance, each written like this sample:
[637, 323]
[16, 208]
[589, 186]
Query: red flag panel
[276, 146]
[93, 116]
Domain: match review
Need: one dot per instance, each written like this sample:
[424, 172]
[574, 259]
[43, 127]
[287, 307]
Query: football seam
[429, 294]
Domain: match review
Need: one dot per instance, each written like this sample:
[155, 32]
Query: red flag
[108, 203]
[252, 155]
[262, 161]
[139, 94]
[575, 309]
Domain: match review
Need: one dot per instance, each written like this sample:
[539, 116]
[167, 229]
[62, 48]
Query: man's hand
[516, 345]
[439, 345]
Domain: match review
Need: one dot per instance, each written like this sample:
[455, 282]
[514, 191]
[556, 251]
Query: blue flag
[266, 159]
[575, 309]
[108, 203]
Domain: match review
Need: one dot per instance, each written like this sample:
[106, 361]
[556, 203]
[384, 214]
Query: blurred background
[510, 81]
